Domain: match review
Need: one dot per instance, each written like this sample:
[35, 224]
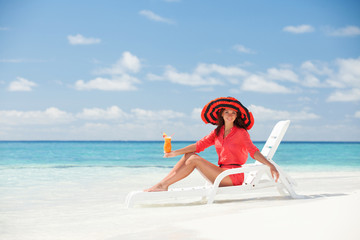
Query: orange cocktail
[167, 143]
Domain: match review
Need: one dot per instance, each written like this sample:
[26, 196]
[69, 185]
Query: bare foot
[157, 188]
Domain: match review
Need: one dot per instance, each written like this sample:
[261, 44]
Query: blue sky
[128, 70]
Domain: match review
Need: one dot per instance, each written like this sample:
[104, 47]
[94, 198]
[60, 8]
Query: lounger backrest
[270, 146]
[274, 139]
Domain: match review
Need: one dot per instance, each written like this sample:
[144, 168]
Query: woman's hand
[170, 154]
[274, 173]
[190, 148]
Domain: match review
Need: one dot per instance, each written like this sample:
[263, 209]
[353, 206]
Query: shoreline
[161, 141]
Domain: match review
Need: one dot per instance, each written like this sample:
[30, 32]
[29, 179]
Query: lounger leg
[129, 202]
[211, 198]
[281, 190]
[289, 188]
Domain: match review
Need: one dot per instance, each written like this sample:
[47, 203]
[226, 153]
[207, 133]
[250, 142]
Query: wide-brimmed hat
[209, 112]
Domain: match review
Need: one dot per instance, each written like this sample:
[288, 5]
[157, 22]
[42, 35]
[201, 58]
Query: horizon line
[284, 141]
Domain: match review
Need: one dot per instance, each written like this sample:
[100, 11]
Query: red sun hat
[209, 112]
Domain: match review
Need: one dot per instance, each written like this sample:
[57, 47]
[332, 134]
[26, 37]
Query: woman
[232, 143]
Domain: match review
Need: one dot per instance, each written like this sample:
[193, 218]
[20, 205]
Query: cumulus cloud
[347, 31]
[264, 114]
[79, 39]
[209, 75]
[149, 115]
[51, 115]
[207, 69]
[312, 81]
[316, 67]
[190, 79]
[21, 84]
[347, 78]
[120, 79]
[111, 113]
[349, 72]
[343, 74]
[257, 83]
[299, 29]
[196, 113]
[119, 83]
[242, 49]
[282, 75]
[128, 63]
[351, 95]
[154, 17]
[357, 114]
[203, 75]
[54, 115]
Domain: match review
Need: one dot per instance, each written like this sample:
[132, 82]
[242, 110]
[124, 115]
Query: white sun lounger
[257, 176]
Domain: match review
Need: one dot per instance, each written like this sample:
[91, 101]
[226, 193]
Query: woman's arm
[259, 157]
[188, 149]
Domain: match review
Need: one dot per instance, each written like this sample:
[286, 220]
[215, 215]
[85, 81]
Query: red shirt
[233, 149]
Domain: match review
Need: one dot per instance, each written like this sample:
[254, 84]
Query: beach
[50, 204]
[77, 190]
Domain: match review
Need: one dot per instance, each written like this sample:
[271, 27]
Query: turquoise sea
[307, 156]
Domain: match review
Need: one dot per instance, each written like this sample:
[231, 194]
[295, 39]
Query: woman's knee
[191, 158]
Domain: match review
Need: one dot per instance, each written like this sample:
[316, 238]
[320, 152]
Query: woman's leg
[185, 166]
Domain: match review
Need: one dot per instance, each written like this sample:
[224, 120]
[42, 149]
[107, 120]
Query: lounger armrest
[247, 168]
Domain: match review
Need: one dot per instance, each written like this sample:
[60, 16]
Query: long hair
[220, 121]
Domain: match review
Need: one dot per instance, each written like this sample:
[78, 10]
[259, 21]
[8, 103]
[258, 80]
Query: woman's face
[229, 115]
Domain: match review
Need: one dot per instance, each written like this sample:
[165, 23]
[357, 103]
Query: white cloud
[120, 79]
[256, 83]
[4, 28]
[149, 115]
[299, 29]
[207, 69]
[154, 77]
[154, 17]
[282, 75]
[53, 116]
[348, 78]
[21, 84]
[351, 95]
[316, 67]
[111, 113]
[203, 75]
[311, 81]
[127, 63]
[50, 116]
[192, 79]
[118, 83]
[344, 32]
[243, 49]
[265, 114]
[349, 72]
[357, 114]
[196, 113]
[81, 40]
[344, 74]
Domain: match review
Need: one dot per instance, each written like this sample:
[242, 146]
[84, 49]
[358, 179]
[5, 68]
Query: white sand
[92, 208]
